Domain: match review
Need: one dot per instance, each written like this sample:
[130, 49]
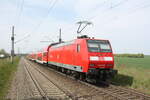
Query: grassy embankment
[133, 73]
[6, 72]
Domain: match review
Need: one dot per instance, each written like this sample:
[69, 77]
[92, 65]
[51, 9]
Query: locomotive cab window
[98, 46]
[93, 47]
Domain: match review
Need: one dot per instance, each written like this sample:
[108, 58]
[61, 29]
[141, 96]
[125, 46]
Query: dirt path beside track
[20, 85]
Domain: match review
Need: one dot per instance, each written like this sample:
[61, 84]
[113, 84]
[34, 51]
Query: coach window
[44, 53]
[78, 48]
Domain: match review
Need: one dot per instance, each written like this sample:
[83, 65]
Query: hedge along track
[112, 92]
[46, 88]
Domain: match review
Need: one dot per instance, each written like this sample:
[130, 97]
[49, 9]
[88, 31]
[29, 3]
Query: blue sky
[124, 22]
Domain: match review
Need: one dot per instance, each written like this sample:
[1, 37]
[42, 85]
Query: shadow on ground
[122, 80]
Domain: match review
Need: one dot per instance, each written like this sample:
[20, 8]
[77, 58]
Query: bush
[139, 55]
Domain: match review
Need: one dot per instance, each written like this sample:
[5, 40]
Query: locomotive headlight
[94, 58]
[108, 58]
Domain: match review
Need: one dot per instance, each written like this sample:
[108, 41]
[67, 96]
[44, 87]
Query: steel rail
[71, 97]
[36, 83]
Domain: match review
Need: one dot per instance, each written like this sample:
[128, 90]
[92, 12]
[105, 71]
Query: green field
[6, 72]
[133, 62]
[133, 73]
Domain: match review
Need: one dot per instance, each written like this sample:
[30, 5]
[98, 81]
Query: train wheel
[82, 77]
[47, 64]
[63, 70]
[68, 72]
[76, 75]
[58, 68]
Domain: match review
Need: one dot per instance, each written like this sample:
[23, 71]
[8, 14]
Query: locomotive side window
[78, 48]
[99, 46]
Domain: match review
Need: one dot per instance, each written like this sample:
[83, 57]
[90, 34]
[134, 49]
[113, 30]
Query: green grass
[133, 73]
[6, 71]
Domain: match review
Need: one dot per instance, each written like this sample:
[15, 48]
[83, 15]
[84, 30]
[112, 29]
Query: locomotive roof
[56, 45]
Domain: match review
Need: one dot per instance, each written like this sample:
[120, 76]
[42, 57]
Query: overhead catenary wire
[108, 9]
[16, 15]
[98, 5]
[17, 21]
[139, 8]
[101, 4]
[135, 9]
[49, 10]
[22, 39]
[18, 18]
[52, 3]
[48, 40]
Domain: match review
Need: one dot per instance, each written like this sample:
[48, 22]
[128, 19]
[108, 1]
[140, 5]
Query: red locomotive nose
[100, 54]
[101, 62]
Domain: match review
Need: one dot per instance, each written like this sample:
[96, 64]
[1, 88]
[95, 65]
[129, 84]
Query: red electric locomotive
[84, 57]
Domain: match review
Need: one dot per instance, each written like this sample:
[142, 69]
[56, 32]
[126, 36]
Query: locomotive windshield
[99, 46]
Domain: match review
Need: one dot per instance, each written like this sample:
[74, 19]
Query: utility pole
[12, 39]
[60, 40]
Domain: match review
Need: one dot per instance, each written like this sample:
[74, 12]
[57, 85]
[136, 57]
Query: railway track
[113, 92]
[116, 92]
[128, 94]
[45, 88]
[94, 92]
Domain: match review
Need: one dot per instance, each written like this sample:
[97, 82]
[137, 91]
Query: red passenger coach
[87, 58]
[32, 56]
[45, 55]
[39, 57]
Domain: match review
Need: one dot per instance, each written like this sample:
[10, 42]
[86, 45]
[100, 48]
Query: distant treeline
[139, 55]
